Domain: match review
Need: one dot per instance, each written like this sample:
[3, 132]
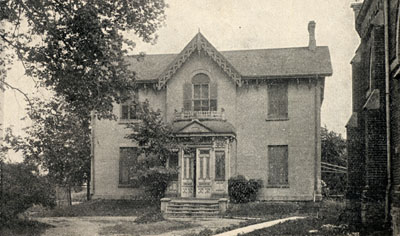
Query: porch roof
[206, 127]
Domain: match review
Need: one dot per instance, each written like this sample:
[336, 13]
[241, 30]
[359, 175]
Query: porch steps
[192, 208]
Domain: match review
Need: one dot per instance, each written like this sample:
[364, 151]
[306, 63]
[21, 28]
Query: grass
[127, 228]
[323, 218]
[23, 228]
[263, 209]
[308, 226]
[101, 208]
[329, 220]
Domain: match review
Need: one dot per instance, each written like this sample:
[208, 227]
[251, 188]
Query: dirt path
[92, 226]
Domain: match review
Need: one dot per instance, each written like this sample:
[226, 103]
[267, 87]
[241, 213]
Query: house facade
[248, 112]
[373, 130]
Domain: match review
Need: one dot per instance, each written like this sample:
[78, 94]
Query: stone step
[197, 208]
[192, 209]
[190, 214]
[194, 205]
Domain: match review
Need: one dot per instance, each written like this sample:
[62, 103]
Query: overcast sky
[248, 24]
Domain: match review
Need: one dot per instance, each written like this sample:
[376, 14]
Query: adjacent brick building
[373, 129]
[249, 112]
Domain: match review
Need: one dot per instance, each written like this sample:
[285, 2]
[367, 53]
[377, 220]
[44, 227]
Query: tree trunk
[69, 197]
[88, 189]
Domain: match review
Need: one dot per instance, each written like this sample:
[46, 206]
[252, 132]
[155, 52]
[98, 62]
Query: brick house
[249, 112]
[373, 130]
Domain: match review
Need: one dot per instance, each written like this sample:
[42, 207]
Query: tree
[333, 147]
[22, 187]
[58, 141]
[333, 151]
[76, 48]
[158, 144]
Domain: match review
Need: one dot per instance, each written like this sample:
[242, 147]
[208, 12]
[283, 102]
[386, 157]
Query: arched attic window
[200, 94]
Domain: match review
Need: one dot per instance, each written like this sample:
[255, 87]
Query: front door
[203, 173]
[188, 173]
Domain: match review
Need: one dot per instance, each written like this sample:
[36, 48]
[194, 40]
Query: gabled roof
[208, 127]
[269, 63]
[198, 43]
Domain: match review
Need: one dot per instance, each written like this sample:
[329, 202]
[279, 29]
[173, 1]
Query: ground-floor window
[127, 164]
[278, 165]
[220, 165]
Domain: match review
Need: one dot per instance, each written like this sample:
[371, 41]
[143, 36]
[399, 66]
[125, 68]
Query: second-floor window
[130, 107]
[278, 100]
[200, 95]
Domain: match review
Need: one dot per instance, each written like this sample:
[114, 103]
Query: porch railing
[201, 115]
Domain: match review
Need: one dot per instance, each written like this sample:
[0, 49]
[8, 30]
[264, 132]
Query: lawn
[323, 218]
[264, 210]
[101, 208]
[23, 228]
[328, 220]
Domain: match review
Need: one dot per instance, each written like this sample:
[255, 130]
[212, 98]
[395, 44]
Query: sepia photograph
[199, 117]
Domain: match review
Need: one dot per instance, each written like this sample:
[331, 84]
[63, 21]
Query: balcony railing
[201, 115]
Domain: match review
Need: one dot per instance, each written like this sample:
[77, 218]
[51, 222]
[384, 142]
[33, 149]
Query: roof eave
[325, 74]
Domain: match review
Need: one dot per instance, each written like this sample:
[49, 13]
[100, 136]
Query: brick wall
[246, 109]
[255, 133]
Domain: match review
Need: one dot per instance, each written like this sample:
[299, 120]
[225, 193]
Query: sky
[243, 24]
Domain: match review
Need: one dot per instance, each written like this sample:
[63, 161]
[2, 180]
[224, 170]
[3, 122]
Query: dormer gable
[197, 44]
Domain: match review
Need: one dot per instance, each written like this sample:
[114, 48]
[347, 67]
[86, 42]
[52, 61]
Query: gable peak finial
[199, 29]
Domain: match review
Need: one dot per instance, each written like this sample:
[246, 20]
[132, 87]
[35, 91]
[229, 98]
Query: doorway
[196, 173]
[189, 182]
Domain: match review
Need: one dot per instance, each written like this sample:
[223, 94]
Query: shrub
[156, 181]
[22, 188]
[149, 217]
[242, 190]
[205, 232]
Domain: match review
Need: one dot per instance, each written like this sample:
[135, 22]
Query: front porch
[204, 164]
[204, 159]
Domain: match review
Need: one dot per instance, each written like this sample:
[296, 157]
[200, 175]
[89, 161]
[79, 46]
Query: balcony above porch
[199, 115]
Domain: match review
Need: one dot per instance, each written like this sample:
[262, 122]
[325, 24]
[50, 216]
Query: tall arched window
[200, 95]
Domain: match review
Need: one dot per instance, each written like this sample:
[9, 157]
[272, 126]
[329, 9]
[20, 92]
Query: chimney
[312, 44]
[356, 8]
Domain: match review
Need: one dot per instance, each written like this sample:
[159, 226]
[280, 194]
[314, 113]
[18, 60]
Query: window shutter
[187, 96]
[278, 100]
[214, 90]
[214, 96]
[124, 111]
[278, 165]
[127, 164]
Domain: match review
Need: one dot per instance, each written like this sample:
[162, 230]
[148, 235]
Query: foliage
[205, 232]
[333, 147]
[150, 217]
[76, 48]
[333, 151]
[157, 142]
[22, 187]
[242, 190]
[23, 227]
[58, 142]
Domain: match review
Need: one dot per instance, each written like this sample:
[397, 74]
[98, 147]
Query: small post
[223, 205]
[164, 204]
